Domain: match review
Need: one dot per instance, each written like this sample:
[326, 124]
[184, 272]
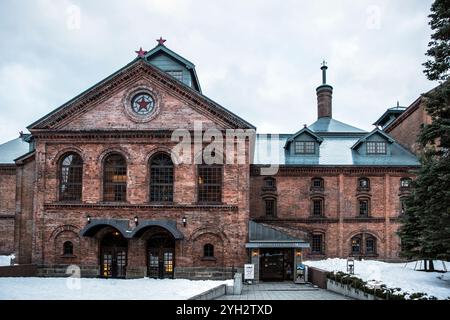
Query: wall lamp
[184, 220]
[136, 220]
[88, 219]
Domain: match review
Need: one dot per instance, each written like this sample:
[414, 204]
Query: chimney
[324, 95]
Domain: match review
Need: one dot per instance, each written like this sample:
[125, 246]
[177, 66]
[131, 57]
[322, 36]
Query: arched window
[161, 178]
[402, 205]
[371, 245]
[70, 177]
[68, 248]
[356, 245]
[363, 184]
[364, 207]
[270, 207]
[405, 183]
[208, 250]
[317, 243]
[363, 244]
[317, 207]
[115, 178]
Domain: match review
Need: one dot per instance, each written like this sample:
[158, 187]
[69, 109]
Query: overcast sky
[260, 59]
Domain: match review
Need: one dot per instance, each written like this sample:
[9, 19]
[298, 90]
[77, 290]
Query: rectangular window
[363, 207]
[376, 147]
[177, 74]
[317, 243]
[317, 207]
[209, 183]
[305, 147]
[270, 208]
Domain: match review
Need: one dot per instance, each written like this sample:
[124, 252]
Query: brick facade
[98, 124]
[340, 220]
[406, 128]
[7, 208]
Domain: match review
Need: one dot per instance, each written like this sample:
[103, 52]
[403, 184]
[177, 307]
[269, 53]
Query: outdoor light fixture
[136, 220]
[255, 252]
[298, 253]
[88, 219]
[184, 221]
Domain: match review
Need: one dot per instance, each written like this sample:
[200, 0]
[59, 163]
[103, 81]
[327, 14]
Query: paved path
[284, 291]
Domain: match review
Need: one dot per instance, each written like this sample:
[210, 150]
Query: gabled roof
[161, 48]
[93, 93]
[13, 149]
[335, 150]
[367, 136]
[326, 124]
[304, 130]
[387, 115]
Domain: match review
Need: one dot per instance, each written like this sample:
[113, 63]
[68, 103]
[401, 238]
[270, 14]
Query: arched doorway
[113, 255]
[160, 255]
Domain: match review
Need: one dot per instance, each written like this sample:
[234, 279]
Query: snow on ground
[395, 275]
[102, 289]
[6, 260]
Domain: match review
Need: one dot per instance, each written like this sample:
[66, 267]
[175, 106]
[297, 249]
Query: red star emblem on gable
[141, 53]
[142, 104]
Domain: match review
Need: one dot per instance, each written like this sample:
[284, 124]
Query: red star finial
[142, 104]
[160, 41]
[141, 53]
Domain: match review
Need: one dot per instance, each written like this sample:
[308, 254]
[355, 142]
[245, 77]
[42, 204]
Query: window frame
[114, 186]
[313, 207]
[208, 251]
[304, 143]
[322, 243]
[169, 72]
[376, 148]
[68, 248]
[76, 196]
[202, 199]
[367, 201]
[274, 207]
[153, 185]
[361, 179]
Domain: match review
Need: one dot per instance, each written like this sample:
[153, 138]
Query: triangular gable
[304, 130]
[198, 101]
[162, 49]
[375, 131]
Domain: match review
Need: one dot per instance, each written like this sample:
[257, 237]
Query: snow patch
[103, 289]
[394, 275]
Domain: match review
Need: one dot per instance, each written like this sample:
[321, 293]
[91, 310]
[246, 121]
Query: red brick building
[103, 186]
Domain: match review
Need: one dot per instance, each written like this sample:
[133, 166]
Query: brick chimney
[324, 95]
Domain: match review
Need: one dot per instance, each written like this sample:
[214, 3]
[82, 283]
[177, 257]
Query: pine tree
[425, 230]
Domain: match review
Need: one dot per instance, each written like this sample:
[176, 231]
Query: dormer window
[177, 74]
[304, 147]
[376, 147]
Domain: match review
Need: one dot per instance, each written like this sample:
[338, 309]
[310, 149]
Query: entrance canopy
[129, 231]
[263, 236]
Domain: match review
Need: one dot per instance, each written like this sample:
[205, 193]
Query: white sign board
[249, 272]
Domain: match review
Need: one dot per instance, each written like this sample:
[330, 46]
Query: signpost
[249, 272]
